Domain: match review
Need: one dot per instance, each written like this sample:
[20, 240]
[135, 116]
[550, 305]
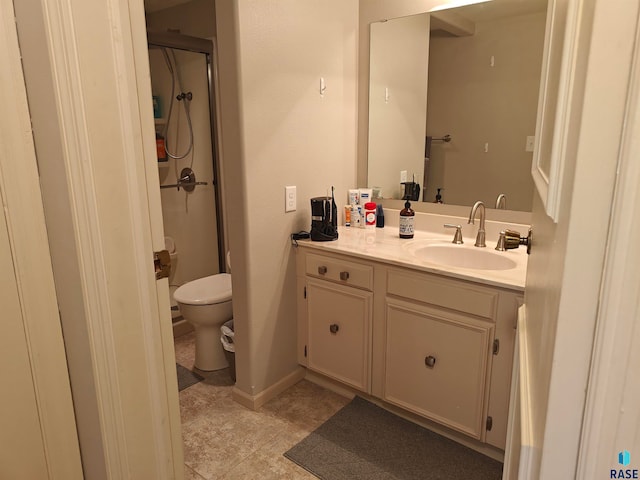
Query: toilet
[206, 304]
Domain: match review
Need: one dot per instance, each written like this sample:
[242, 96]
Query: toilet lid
[205, 291]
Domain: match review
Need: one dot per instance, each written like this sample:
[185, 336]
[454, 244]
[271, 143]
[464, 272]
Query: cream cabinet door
[339, 320]
[436, 364]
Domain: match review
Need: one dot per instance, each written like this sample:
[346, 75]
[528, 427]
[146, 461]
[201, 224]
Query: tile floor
[224, 440]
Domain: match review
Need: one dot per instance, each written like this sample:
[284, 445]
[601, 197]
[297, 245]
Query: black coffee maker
[324, 219]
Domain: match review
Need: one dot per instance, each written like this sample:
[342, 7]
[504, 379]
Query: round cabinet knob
[344, 276]
[430, 361]
[322, 270]
[333, 328]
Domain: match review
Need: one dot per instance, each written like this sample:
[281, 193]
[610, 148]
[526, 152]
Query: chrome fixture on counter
[480, 237]
[501, 201]
[457, 237]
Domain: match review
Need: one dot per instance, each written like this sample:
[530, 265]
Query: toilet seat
[205, 291]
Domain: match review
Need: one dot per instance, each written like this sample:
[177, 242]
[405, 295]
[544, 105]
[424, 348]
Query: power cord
[301, 235]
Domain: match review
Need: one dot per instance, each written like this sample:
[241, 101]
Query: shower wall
[189, 217]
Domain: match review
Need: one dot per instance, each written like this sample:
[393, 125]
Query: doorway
[182, 81]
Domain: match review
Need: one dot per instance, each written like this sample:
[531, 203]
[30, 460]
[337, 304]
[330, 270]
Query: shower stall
[183, 86]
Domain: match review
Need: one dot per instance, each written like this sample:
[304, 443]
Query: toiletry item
[157, 107]
[379, 216]
[356, 217]
[370, 214]
[365, 195]
[376, 193]
[438, 197]
[161, 152]
[347, 215]
[407, 216]
[354, 196]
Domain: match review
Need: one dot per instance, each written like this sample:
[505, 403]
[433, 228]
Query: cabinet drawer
[341, 271]
[436, 366]
[442, 292]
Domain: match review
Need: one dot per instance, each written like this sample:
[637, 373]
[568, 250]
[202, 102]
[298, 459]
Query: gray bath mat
[186, 377]
[364, 441]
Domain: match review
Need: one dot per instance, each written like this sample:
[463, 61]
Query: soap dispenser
[407, 216]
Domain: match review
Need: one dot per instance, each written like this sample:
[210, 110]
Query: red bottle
[160, 150]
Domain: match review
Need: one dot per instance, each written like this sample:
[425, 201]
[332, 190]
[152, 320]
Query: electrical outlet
[530, 142]
[289, 199]
[403, 176]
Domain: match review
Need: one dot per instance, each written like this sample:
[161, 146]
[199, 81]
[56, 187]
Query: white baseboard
[254, 402]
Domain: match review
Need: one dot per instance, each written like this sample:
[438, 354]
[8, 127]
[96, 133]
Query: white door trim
[22, 204]
[612, 415]
[98, 75]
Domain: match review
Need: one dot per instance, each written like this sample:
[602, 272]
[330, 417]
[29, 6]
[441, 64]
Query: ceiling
[493, 10]
[478, 12]
[156, 5]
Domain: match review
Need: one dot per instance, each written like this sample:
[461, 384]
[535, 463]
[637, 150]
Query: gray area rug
[364, 441]
[186, 377]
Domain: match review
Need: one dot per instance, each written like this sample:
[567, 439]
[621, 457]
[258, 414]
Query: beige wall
[196, 18]
[278, 130]
[477, 104]
[397, 102]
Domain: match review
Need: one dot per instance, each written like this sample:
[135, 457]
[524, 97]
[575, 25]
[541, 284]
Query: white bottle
[356, 216]
[365, 195]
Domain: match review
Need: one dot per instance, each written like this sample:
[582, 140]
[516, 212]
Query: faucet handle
[457, 238]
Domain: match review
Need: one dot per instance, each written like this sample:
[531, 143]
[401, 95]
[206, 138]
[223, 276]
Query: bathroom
[276, 129]
[275, 154]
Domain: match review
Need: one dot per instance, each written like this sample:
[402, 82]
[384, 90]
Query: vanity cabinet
[436, 365]
[436, 346]
[339, 311]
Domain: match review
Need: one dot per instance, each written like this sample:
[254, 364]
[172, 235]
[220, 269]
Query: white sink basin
[475, 258]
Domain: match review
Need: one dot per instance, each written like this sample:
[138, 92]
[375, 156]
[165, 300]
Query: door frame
[21, 199]
[612, 412]
[93, 57]
[206, 47]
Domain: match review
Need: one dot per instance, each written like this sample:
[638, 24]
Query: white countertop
[384, 245]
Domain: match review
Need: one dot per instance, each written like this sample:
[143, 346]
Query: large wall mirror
[453, 98]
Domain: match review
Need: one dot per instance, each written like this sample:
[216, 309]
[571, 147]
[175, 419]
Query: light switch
[290, 199]
[530, 142]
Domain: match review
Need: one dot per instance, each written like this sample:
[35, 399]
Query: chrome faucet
[501, 201]
[480, 237]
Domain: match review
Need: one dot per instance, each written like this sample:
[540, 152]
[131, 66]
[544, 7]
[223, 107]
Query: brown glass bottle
[406, 221]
